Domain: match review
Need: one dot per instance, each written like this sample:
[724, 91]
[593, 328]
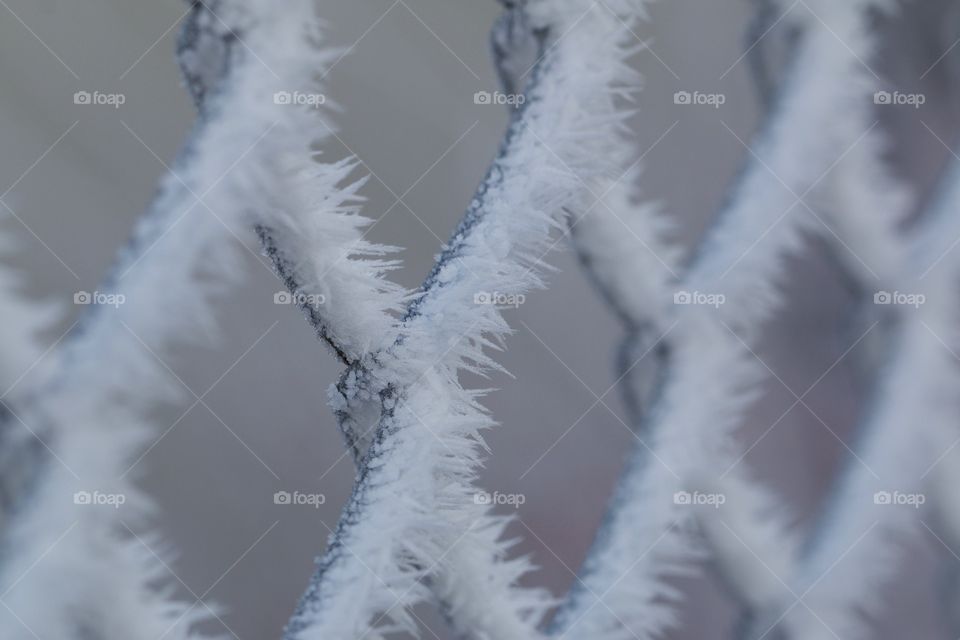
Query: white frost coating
[800, 149]
[866, 208]
[864, 204]
[623, 245]
[861, 206]
[319, 231]
[860, 547]
[752, 540]
[647, 538]
[23, 322]
[314, 221]
[623, 242]
[911, 424]
[570, 148]
[413, 510]
[742, 258]
[242, 161]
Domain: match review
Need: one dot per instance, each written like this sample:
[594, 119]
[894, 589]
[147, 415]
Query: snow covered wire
[412, 530]
[802, 143]
[312, 233]
[635, 273]
[313, 258]
[747, 537]
[740, 264]
[460, 560]
[244, 164]
[621, 242]
[624, 589]
[619, 239]
[413, 510]
[517, 51]
[874, 509]
[638, 282]
[310, 230]
[864, 206]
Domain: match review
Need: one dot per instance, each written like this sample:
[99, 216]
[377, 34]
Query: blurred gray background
[81, 177]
